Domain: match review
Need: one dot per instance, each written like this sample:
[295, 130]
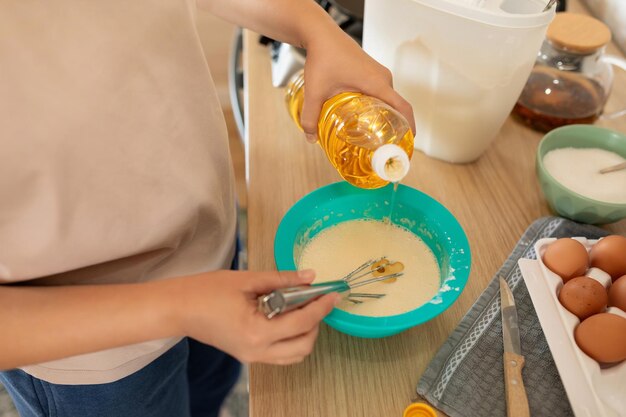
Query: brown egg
[609, 254]
[617, 293]
[583, 297]
[567, 258]
[603, 337]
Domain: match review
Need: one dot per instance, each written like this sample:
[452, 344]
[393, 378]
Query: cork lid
[578, 32]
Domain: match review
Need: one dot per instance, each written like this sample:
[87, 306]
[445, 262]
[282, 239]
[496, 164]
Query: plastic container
[414, 210]
[460, 63]
[367, 141]
[593, 390]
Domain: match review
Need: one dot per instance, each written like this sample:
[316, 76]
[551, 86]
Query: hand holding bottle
[336, 63]
[369, 143]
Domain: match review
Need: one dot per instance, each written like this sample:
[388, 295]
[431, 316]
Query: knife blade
[516, 399]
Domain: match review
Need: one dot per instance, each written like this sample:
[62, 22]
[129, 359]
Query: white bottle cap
[390, 162]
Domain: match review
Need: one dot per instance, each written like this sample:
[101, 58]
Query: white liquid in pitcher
[338, 250]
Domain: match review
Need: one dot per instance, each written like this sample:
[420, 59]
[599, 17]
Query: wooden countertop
[495, 199]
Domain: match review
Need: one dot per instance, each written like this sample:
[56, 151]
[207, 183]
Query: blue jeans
[189, 380]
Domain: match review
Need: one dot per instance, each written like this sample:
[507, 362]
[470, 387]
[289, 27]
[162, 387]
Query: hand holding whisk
[286, 299]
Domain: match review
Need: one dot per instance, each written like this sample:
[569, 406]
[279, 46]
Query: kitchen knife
[516, 400]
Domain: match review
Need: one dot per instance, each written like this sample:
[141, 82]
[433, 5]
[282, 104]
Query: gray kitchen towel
[466, 377]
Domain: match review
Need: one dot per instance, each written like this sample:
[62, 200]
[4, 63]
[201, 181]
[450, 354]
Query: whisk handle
[286, 299]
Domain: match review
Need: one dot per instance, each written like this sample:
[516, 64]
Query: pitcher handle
[620, 63]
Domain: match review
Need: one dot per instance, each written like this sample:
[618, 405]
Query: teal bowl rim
[359, 325]
[560, 130]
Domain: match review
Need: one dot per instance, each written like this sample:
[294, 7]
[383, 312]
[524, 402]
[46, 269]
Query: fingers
[311, 109]
[297, 322]
[285, 339]
[290, 337]
[265, 282]
[290, 351]
[395, 100]
[313, 104]
[314, 97]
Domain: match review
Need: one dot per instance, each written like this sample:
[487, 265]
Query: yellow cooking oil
[367, 141]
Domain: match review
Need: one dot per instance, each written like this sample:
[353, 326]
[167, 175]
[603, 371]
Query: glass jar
[572, 77]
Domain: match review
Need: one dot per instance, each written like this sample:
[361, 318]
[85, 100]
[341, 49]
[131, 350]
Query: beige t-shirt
[114, 161]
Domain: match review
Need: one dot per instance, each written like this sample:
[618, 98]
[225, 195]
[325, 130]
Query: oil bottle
[366, 140]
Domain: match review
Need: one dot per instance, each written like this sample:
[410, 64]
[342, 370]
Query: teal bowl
[564, 201]
[414, 210]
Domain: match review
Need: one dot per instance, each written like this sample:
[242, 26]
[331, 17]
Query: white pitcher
[460, 63]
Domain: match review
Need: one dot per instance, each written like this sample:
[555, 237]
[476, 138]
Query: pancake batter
[338, 250]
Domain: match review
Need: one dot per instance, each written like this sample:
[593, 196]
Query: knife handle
[516, 400]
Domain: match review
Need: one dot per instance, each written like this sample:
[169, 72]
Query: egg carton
[593, 390]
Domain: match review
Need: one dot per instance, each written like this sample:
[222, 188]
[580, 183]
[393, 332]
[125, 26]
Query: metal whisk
[286, 299]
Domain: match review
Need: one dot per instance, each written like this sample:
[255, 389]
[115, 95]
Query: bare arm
[293, 21]
[335, 62]
[45, 323]
[39, 324]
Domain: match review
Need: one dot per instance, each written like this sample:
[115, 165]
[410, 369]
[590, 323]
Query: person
[117, 209]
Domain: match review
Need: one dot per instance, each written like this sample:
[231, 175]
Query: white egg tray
[593, 390]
